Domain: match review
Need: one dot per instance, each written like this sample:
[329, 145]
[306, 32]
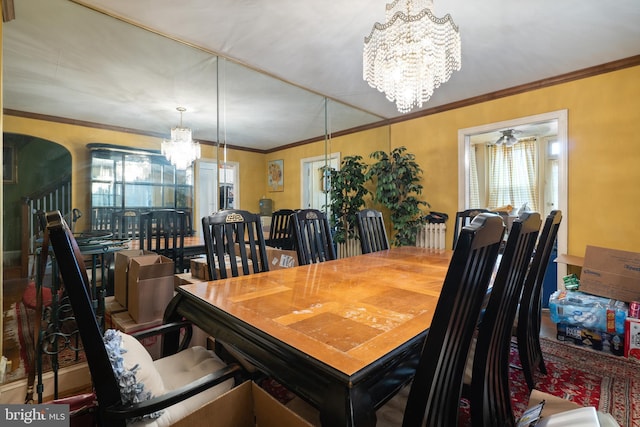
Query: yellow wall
[362, 143]
[75, 139]
[603, 158]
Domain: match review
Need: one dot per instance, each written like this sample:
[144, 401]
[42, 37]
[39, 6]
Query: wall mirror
[67, 61]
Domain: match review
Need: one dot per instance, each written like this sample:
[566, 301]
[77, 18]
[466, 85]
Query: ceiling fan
[507, 138]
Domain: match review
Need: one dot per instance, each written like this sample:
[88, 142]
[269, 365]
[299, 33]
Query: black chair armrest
[119, 412]
[167, 328]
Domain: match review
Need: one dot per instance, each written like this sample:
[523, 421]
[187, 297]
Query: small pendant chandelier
[181, 150]
[411, 54]
[507, 138]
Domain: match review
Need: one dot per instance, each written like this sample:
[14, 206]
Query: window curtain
[513, 174]
[474, 192]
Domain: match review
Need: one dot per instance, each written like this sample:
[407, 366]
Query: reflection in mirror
[64, 60]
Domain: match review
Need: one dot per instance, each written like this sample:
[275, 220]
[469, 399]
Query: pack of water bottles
[588, 311]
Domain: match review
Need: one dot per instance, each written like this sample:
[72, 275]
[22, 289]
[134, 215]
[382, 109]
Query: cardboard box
[200, 268]
[597, 340]
[121, 266]
[123, 322]
[632, 338]
[279, 258]
[150, 283]
[111, 307]
[611, 273]
[184, 279]
[246, 405]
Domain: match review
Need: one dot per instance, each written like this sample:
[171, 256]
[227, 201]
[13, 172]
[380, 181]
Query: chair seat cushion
[155, 378]
[180, 369]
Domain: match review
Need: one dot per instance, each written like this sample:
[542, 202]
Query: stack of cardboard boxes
[143, 287]
[613, 275]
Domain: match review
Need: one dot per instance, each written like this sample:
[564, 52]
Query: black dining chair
[371, 230]
[162, 231]
[464, 218]
[529, 310]
[280, 234]
[312, 237]
[234, 244]
[486, 382]
[125, 224]
[435, 393]
[122, 371]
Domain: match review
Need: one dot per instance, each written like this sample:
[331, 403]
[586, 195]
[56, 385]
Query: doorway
[552, 164]
[315, 185]
[212, 197]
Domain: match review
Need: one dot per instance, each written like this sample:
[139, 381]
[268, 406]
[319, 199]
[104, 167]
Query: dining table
[345, 335]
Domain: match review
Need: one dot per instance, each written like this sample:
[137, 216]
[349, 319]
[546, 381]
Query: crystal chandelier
[181, 150]
[411, 54]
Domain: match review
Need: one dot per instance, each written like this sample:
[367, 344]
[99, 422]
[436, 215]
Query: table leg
[349, 407]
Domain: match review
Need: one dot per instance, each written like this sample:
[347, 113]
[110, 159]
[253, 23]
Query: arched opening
[33, 167]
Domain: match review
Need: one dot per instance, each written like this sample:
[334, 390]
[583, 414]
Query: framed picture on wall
[275, 175]
[9, 165]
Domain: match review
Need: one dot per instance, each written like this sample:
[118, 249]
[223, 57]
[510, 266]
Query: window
[513, 176]
[135, 180]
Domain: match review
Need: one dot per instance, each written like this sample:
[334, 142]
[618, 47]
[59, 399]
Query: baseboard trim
[70, 379]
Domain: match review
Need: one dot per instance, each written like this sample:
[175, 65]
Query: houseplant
[347, 197]
[397, 178]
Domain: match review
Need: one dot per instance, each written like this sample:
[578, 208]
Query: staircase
[56, 196]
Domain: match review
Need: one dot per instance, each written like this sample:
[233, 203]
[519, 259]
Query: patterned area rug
[584, 376]
[12, 332]
[18, 322]
[593, 378]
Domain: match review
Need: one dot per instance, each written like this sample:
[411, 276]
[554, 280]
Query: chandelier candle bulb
[411, 54]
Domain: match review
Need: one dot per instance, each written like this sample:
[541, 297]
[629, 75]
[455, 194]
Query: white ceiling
[64, 60]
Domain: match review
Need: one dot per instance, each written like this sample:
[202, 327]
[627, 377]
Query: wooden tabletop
[346, 313]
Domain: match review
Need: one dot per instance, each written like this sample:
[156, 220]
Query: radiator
[349, 248]
[431, 236]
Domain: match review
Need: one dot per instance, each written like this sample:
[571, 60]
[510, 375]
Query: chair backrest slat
[464, 218]
[280, 233]
[437, 385]
[162, 231]
[490, 395]
[528, 330]
[312, 237]
[233, 238]
[371, 230]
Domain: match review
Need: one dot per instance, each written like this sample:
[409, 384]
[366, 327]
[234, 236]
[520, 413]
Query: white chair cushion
[181, 369]
[147, 373]
[133, 367]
